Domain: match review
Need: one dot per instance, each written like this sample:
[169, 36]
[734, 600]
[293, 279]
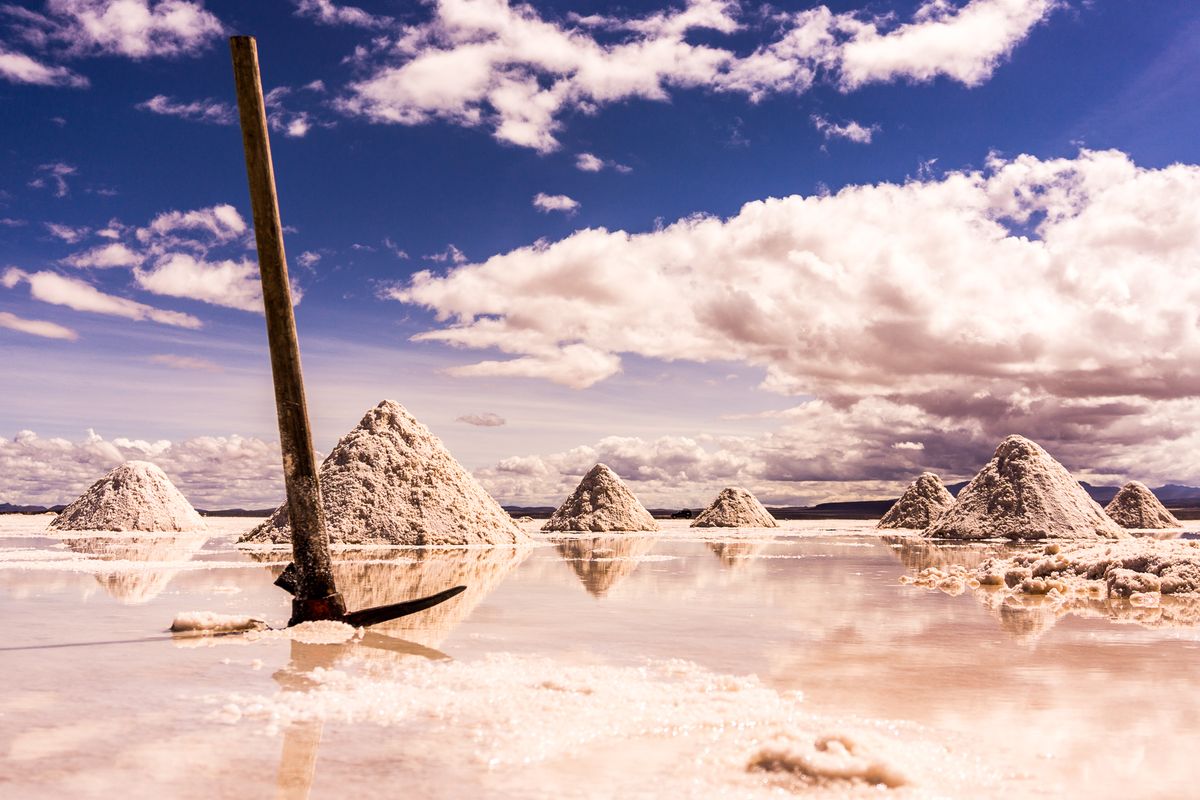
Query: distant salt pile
[136, 496]
[601, 502]
[391, 481]
[922, 502]
[1135, 506]
[1023, 493]
[735, 508]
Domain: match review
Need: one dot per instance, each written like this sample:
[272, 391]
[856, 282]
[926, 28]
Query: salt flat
[761, 662]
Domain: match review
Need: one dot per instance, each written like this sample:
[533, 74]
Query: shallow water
[630, 666]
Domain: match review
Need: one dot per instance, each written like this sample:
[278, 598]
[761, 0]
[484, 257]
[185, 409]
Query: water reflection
[1025, 616]
[738, 552]
[302, 739]
[134, 586]
[377, 576]
[601, 562]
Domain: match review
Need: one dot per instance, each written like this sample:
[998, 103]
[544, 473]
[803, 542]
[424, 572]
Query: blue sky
[385, 172]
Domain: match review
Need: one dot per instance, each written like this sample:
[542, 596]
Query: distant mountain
[9, 508]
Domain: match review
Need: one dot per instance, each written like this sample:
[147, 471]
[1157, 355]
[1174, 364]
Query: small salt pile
[1135, 506]
[136, 496]
[391, 481]
[735, 508]
[601, 502]
[1023, 493]
[922, 502]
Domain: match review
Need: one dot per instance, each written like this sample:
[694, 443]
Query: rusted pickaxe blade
[378, 614]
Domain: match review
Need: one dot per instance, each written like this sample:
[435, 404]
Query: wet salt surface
[586, 666]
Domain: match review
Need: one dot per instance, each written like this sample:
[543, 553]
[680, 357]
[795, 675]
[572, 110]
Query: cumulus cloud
[20, 68]
[234, 284]
[325, 12]
[589, 162]
[851, 130]
[50, 287]
[113, 254]
[1053, 297]
[555, 202]
[484, 420]
[219, 223]
[963, 43]
[210, 111]
[36, 327]
[517, 72]
[67, 233]
[212, 471]
[134, 29]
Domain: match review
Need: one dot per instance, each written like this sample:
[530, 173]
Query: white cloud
[54, 174]
[965, 44]
[589, 162]
[555, 202]
[325, 12]
[308, 259]
[1053, 297]
[131, 28]
[490, 63]
[234, 284]
[113, 254]
[487, 419]
[50, 287]
[221, 223]
[36, 327]
[212, 471]
[185, 362]
[851, 130]
[20, 68]
[211, 111]
[67, 233]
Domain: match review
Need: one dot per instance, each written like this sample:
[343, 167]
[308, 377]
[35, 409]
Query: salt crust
[1150, 582]
[391, 481]
[208, 622]
[1023, 493]
[922, 502]
[735, 508]
[711, 734]
[136, 496]
[601, 502]
[1135, 506]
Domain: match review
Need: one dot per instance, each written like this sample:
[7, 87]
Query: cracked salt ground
[805, 669]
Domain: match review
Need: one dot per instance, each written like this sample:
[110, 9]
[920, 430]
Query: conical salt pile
[391, 481]
[136, 496]
[1023, 493]
[601, 502]
[1135, 506]
[735, 508]
[922, 502]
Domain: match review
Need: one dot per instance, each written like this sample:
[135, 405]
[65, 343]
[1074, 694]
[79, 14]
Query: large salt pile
[1023, 493]
[601, 502]
[1135, 506]
[735, 508]
[922, 502]
[136, 496]
[391, 481]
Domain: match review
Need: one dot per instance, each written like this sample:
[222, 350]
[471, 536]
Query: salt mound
[601, 502]
[136, 496]
[391, 481]
[1023, 493]
[922, 502]
[735, 508]
[1135, 506]
[208, 622]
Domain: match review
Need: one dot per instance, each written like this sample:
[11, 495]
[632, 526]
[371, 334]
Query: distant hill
[1183, 500]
